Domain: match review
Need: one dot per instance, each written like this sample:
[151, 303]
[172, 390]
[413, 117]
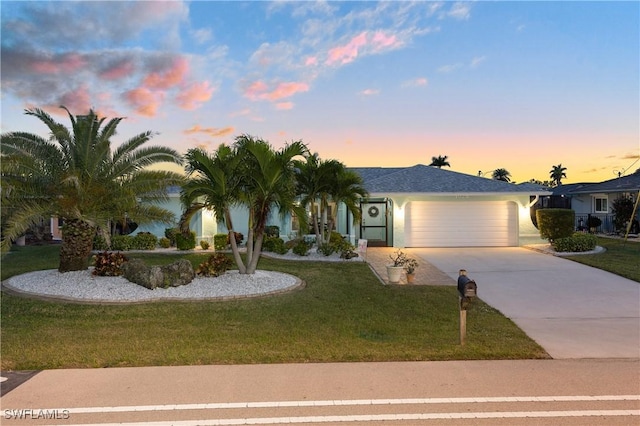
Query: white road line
[380, 417]
[351, 402]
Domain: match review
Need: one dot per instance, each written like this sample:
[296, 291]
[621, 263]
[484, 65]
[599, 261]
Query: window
[601, 205]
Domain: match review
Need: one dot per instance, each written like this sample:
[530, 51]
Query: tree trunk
[77, 242]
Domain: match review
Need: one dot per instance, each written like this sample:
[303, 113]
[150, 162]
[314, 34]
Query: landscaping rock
[172, 275]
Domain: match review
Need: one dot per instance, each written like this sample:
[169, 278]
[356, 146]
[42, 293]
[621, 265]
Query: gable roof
[629, 183]
[432, 180]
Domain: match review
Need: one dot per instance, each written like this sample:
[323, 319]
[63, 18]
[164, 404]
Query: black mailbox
[466, 286]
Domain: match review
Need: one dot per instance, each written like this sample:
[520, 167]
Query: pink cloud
[168, 78]
[259, 90]
[348, 52]
[144, 101]
[77, 101]
[381, 41]
[195, 95]
[118, 71]
[284, 106]
[211, 131]
[66, 63]
[311, 61]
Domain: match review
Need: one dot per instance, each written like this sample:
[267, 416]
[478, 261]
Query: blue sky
[516, 85]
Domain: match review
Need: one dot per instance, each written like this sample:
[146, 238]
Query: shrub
[145, 241]
[555, 223]
[274, 244]
[186, 242]
[272, 231]
[301, 248]
[594, 222]
[100, 243]
[170, 233]
[577, 242]
[164, 242]
[216, 265]
[121, 242]
[108, 264]
[204, 244]
[327, 249]
[220, 241]
[622, 209]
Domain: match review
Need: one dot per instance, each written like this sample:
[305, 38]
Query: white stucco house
[418, 206]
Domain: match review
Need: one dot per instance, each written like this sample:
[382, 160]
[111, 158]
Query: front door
[373, 226]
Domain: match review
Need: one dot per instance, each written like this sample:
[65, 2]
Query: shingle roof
[427, 179]
[629, 183]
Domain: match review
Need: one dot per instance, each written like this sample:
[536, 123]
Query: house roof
[629, 183]
[428, 179]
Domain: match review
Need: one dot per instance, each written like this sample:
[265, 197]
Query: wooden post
[463, 324]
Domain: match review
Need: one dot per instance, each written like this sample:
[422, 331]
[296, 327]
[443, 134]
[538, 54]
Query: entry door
[373, 227]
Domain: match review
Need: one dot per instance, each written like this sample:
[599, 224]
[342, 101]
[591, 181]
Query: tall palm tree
[250, 173]
[347, 188]
[440, 161]
[75, 175]
[501, 174]
[556, 174]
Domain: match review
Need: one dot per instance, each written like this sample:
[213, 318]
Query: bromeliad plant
[217, 264]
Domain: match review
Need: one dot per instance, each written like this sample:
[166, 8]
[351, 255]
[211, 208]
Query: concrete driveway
[571, 310]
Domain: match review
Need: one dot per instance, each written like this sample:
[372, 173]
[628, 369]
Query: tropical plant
[439, 161]
[250, 173]
[398, 258]
[556, 174]
[410, 265]
[74, 175]
[623, 210]
[501, 174]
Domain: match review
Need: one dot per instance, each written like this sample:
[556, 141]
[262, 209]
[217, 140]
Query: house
[596, 199]
[424, 206]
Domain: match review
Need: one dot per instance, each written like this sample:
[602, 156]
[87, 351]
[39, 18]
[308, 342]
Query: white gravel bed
[82, 286]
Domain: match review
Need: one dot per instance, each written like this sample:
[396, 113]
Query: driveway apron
[571, 310]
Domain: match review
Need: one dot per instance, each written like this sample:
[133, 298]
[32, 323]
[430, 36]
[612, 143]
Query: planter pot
[411, 278]
[394, 273]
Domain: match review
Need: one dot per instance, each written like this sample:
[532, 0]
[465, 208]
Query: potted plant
[410, 268]
[395, 268]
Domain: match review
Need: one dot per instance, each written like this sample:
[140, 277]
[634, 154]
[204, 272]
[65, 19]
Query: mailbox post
[468, 290]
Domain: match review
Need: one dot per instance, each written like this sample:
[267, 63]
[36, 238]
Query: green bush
[121, 242]
[145, 241]
[272, 231]
[576, 243]
[170, 233]
[186, 242]
[108, 264]
[555, 223]
[164, 242]
[301, 248]
[594, 222]
[327, 249]
[622, 209]
[216, 265]
[100, 243]
[274, 244]
[220, 241]
[204, 245]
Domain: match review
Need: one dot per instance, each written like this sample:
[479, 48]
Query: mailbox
[466, 286]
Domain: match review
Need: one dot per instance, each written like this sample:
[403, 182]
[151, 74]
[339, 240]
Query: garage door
[461, 224]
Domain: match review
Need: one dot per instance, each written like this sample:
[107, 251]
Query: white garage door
[461, 224]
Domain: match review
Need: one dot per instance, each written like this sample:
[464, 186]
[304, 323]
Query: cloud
[202, 35]
[116, 71]
[416, 82]
[144, 101]
[210, 131]
[169, 77]
[259, 90]
[284, 105]
[475, 62]
[348, 52]
[449, 68]
[370, 92]
[194, 95]
[459, 10]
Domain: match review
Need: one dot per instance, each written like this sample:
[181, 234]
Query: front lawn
[343, 314]
[622, 258]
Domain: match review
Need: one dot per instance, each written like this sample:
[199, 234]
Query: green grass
[622, 258]
[343, 314]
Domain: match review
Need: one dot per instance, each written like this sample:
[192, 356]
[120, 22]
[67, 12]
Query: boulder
[172, 275]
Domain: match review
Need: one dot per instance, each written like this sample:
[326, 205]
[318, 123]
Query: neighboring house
[419, 206]
[596, 199]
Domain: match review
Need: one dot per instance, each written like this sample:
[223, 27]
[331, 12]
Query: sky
[522, 86]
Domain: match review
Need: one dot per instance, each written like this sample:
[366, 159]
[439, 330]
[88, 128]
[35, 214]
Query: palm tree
[556, 174]
[439, 161]
[75, 176]
[501, 174]
[253, 175]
